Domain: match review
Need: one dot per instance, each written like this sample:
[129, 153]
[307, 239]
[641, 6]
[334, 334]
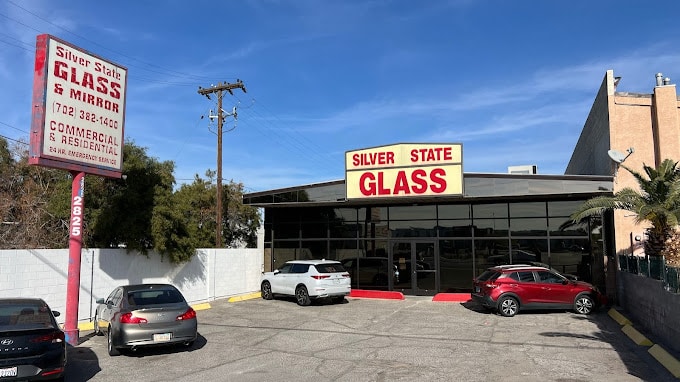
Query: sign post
[75, 245]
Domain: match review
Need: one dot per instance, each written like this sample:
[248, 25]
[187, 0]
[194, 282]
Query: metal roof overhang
[478, 188]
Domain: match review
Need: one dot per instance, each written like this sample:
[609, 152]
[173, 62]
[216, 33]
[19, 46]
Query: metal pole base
[72, 336]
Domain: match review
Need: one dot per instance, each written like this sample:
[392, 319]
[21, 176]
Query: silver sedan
[145, 315]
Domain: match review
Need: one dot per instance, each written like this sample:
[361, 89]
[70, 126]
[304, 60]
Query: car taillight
[320, 277]
[129, 318]
[345, 275]
[52, 337]
[188, 315]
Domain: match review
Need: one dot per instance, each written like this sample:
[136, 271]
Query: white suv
[307, 280]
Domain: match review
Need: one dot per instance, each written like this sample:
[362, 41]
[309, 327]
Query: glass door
[416, 262]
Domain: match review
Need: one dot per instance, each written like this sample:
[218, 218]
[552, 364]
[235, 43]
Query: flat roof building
[411, 205]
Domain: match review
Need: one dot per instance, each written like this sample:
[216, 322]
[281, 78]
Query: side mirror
[56, 313]
[99, 301]
[276, 271]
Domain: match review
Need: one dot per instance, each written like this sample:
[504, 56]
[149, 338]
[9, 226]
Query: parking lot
[379, 340]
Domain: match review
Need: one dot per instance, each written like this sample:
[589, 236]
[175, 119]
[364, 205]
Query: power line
[13, 140]
[12, 127]
[279, 136]
[166, 71]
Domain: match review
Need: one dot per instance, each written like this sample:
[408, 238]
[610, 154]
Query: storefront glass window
[566, 227]
[314, 249]
[528, 226]
[413, 228]
[528, 209]
[455, 228]
[498, 210]
[412, 212]
[286, 231]
[455, 265]
[490, 227]
[454, 211]
[314, 230]
[563, 208]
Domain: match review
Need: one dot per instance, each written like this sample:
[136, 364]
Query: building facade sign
[404, 170]
[78, 110]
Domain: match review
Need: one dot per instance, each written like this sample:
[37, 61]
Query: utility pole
[219, 89]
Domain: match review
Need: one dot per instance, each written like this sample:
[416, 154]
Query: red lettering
[102, 81]
[419, 178]
[437, 177]
[381, 184]
[401, 184]
[418, 182]
[59, 72]
[434, 154]
[115, 90]
[88, 81]
[367, 188]
[368, 159]
[448, 155]
[74, 78]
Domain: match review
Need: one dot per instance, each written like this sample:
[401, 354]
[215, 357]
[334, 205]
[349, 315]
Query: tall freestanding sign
[78, 120]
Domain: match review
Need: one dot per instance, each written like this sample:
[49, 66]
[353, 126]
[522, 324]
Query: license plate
[336, 281]
[162, 337]
[8, 372]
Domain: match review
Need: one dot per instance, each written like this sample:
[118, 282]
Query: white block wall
[212, 274]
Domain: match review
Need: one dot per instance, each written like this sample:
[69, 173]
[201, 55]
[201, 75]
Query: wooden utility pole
[219, 88]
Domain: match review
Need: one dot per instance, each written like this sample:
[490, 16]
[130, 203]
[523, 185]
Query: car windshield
[19, 316]
[154, 297]
[330, 268]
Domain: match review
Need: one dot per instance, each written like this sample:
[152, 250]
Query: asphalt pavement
[414, 339]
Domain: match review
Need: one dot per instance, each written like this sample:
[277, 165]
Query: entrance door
[416, 262]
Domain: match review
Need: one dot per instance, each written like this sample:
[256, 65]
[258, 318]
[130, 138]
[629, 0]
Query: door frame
[412, 288]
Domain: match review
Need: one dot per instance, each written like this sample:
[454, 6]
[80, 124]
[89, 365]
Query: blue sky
[512, 81]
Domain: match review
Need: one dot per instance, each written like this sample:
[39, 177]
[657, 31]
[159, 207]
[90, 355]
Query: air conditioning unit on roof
[529, 169]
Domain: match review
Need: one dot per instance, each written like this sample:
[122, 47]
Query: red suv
[511, 288]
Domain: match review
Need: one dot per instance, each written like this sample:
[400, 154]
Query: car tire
[97, 330]
[508, 306]
[584, 304]
[302, 296]
[266, 290]
[113, 351]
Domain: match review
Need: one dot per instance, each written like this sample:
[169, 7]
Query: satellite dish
[616, 156]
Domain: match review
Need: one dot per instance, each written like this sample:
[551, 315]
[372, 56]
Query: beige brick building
[642, 129]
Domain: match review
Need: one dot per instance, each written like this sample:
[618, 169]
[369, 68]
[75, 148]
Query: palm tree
[657, 202]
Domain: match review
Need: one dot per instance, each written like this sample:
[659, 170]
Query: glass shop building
[406, 218]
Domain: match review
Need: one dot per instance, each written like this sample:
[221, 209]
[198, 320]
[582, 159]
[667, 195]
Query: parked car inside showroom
[32, 346]
[509, 289]
[139, 315]
[371, 271]
[307, 280]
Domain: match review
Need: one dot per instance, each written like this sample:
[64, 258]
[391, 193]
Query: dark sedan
[32, 346]
[145, 315]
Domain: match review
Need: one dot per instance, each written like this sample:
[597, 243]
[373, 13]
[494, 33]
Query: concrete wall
[590, 154]
[650, 306]
[212, 274]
